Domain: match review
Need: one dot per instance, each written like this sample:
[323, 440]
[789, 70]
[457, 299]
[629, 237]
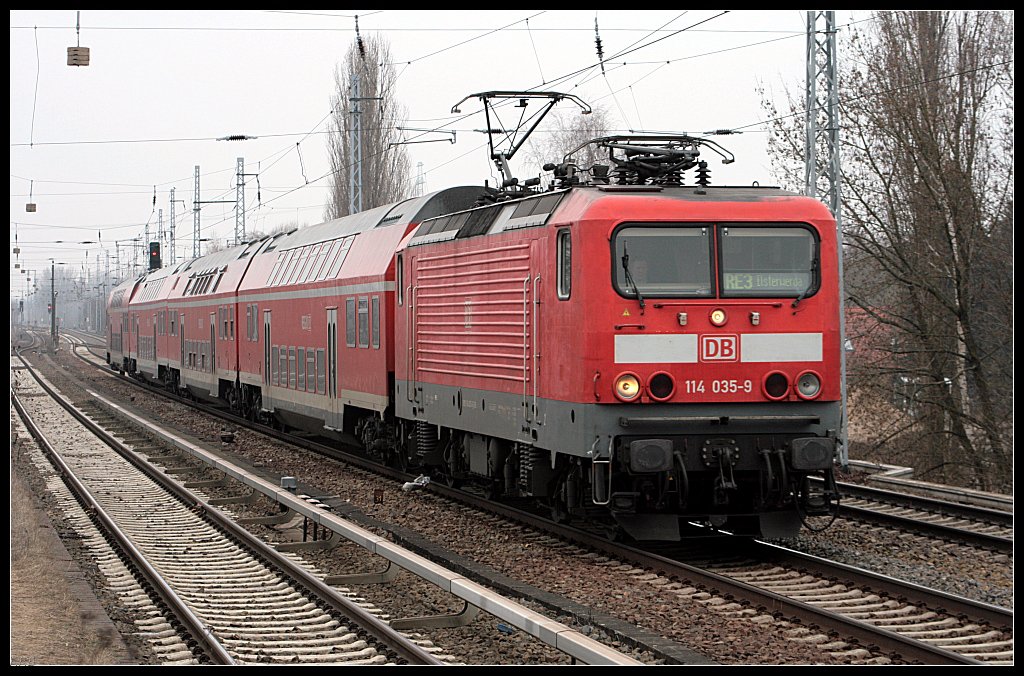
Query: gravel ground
[630, 595]
[973, 573]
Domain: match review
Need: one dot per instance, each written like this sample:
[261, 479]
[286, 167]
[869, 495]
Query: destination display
[774, 281]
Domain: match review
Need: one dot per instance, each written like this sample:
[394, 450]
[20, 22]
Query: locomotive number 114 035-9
[718, 386]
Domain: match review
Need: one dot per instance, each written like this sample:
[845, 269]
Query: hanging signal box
[31, 206]
[78, 56]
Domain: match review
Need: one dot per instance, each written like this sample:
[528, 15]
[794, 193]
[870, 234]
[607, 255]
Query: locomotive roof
[750, 201]
[730, 193]
[534, 209]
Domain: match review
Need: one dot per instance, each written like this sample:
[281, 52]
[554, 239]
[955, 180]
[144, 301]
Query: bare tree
[216, 245]
[568, 130]
[282, 227]
[364, 86]
[927, 190]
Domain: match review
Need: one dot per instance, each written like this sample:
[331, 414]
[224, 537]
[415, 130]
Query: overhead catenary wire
[631, 48]
[530, 29]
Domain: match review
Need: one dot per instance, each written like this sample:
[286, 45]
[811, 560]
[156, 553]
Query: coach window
[375, 307]
[350, 322]
[283, 366]
[302, 368]
[273, 365]
[310, 371]
[343, 248]
[320, 379]
[314, 271]
[287, 267]
[564, 264]
[292, 375]
[325, 268]
[770, 260]
[364, 323]
[307, 261]
[279, 264]
[300, 260]
[231, 322]
[276, 270]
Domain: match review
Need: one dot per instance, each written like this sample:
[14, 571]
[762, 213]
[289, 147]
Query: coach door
[181, 344]
[133, 330]
[269, 366]
[335, 408]
[213, 352]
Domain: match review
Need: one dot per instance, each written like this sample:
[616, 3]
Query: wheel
[494, 489]
[559, 512]
[398, 459]
[450, 480]
[558, 503]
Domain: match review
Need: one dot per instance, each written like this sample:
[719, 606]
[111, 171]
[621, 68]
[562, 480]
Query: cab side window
[564, 245]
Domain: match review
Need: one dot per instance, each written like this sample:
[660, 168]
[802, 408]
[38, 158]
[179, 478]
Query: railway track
[955, 522]
[240, 604]
[576, 646]
[865, 617]
[904, 622]
[909, 619]
[976, 526]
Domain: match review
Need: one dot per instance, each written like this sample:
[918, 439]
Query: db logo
[718, 348]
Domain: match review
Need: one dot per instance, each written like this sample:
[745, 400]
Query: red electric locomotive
[629, 348]
[623, 348]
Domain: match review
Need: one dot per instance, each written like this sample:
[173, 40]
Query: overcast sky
[89, 145]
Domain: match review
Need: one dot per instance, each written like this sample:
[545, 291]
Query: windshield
[767, 261]
[663, 261]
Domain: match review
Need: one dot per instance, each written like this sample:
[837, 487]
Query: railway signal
[154, 256]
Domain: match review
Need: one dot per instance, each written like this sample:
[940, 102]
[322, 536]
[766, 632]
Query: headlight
[808, 385]
[775, 385]
[718, 317]
[661, 386]
[627, 387]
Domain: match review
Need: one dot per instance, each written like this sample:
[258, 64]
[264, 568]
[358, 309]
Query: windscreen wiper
[810, 285]
[629, 277]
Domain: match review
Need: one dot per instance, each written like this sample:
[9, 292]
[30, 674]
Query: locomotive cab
[719, 344]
